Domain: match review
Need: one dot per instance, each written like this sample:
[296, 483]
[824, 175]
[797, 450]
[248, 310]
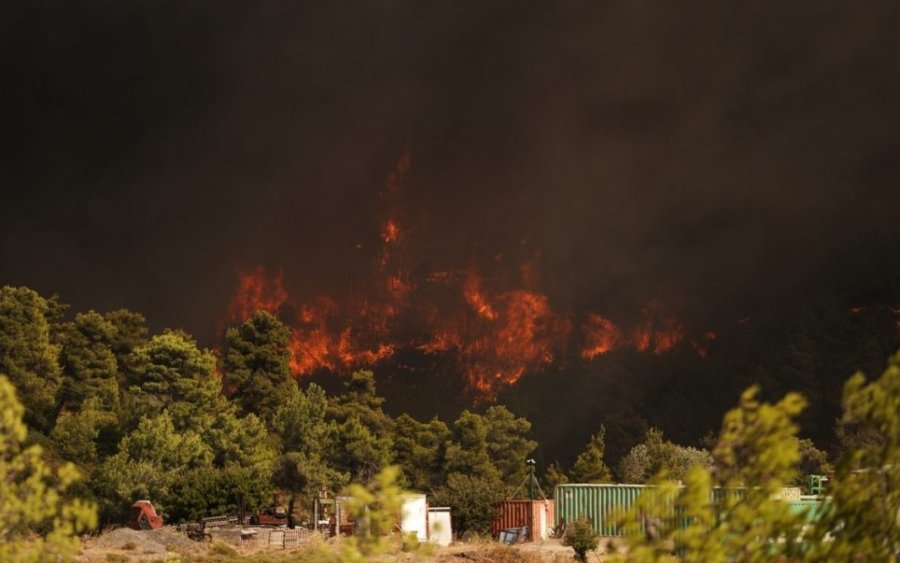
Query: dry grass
[115, 548]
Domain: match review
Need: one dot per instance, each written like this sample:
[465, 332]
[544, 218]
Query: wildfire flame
[657, 333]
[257, 293]
[391, 232]
[498, 333]
[601, 336]
[474, 297]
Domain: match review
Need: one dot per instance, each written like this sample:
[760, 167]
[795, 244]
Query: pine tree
[89, 366]
[508, 443]
[257, 362]
[420, 450]
[589, 466]
[171, 373]
[27, 354]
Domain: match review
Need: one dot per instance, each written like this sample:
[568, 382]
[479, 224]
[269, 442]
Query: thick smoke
[718, 156]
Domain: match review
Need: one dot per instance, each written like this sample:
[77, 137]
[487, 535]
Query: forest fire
[601, 336]
[498, 331]
[657, 334]
[257, 293]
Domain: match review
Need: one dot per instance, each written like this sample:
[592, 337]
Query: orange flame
[497, 337]
[498, 331]
[256, 293]
[601, 336]
[657, 333]
[475, 298]
[390, 232]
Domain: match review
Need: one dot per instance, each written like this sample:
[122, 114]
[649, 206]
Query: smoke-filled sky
[720, 156]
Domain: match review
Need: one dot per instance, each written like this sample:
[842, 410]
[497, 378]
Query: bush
[581, 537]
[472, 501]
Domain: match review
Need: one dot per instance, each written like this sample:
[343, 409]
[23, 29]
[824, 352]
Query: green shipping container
[603, 505]
[813, 508]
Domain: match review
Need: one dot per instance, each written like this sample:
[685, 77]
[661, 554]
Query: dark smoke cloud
[720, 156]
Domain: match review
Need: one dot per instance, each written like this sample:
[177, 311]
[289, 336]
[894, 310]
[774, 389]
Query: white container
[440, 531]
[415, 516]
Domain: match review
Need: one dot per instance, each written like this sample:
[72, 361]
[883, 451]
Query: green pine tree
[589, 466]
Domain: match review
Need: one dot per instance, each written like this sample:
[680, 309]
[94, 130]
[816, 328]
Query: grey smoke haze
[720, 156]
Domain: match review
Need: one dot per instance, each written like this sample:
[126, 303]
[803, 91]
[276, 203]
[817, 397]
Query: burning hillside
[499, 326]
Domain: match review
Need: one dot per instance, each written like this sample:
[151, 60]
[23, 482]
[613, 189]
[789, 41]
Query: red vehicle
[143, 516]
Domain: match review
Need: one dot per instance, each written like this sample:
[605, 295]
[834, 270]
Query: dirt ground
[122, 545]
[549, 551]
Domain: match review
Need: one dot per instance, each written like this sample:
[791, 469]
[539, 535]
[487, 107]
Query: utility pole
[531, 464]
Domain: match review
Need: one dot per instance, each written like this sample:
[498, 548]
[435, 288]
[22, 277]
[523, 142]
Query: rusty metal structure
[143, 516]
[535, 515]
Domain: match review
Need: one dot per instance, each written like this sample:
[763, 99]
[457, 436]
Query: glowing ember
[391, 232]
[700, 347]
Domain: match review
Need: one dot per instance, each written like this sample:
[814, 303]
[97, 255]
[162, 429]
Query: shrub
[581, 537]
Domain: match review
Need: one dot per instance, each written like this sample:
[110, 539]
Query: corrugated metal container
[811, 508]
[536, 515]
[603, 505]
